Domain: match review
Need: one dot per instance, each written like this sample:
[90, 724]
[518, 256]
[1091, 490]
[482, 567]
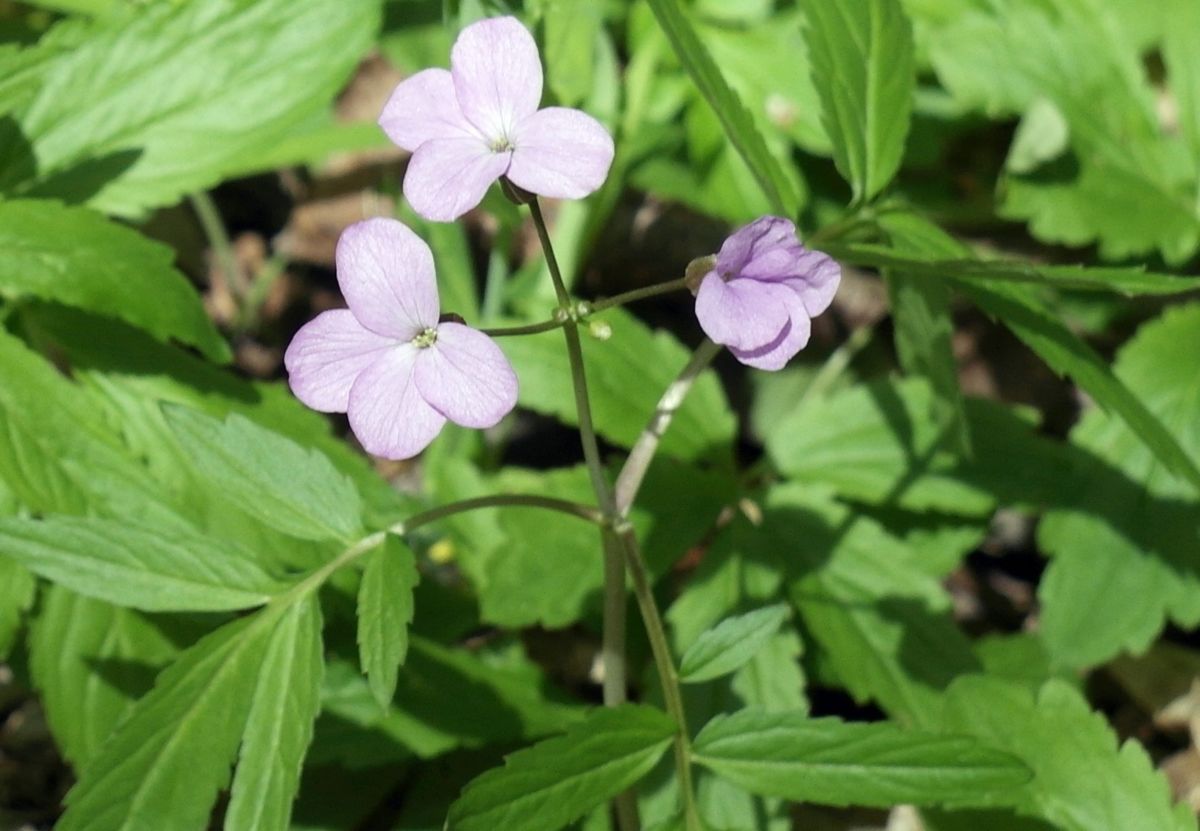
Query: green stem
[619, 545]
[585, 309]
[218, 238]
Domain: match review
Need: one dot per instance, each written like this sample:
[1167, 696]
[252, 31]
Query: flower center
[501, 145]
[425, 338]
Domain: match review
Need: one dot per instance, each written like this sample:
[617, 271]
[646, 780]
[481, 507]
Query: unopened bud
[599, 329]
[697, 270]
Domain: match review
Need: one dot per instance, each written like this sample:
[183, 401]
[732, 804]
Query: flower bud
[599, 329]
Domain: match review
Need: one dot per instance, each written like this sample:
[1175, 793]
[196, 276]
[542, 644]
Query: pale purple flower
[469, 126]
[763, 291]
[387, 361]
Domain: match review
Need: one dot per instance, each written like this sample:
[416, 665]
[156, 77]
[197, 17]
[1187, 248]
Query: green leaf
[864, 67]
[923, 331]
[1082, 781]
[1061, 349]
[1128, 544]
[832, 762]
[730, 644]
[572, 27]
[1182, 55]
[105, 128]
[1130, 282]
[557, 781]
[90, 662]
[279, 726]
[16, 596]
[626, 376]
[884, 626]
[172, 755]
[385, 609]
[292, 489]
[738, 123]
[145, 568]
[77, 257]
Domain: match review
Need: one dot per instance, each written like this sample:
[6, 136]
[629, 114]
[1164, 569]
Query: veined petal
[448, 177]
[744, 313]
[424, 107]
[560, 153]
[764, 234]
[791, 340]
[466, 378]
[387, 277]
[326, 357]
[497, 75]
[386, 412]
[818, 283]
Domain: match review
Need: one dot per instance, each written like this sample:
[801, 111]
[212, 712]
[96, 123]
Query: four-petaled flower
[469, 126]
[763, 291]
[387, 361]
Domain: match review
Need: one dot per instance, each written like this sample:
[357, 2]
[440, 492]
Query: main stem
[620, 544]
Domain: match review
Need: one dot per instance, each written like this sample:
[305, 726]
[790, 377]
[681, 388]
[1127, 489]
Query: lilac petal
[386, 274]
[744, 313]
[821, 276]
[386, 412]
[791, 340]
[424, 107]
[448, 177]
[327, 355]
[497, 75]
[764, 234]
[466, 377]
[560, 153]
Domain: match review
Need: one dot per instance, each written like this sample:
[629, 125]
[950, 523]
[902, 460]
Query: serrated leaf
[557, 781]
[832, 762]
[158, 104]
[292, 489]
[172, 755]
[1128, 545]
[147, 568]
[279, 726]
[90, 662]
[385, 609]
[730, 644]
[1081, 780]
[77, 257]
[864, 68]
[1045, 334]
[738, 123]
[626, 375]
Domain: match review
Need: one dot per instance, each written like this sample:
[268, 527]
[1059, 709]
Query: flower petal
[386, 412]
[791, 340]
[386, 274]
[497, 75]
[764, 234]
[466, 377]
[747, 314]
[448, 177]
[327, 355]
[560, 153]
[424, 107]
[821, 276]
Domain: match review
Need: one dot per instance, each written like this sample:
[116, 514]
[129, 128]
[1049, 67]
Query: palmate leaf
[557, 781]
[832, 762]
[1081, 781]
[385, 609]
[1128, 546]
[730, 644]
[142, 567]
[173, 753]
[77, 257]
[738, 123]
[292, 489]
[864, 68]
[151, 106]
